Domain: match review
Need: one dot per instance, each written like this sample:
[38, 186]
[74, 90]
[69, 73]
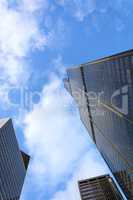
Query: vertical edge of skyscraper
[99, 188]
[13, 162]
[103, 91]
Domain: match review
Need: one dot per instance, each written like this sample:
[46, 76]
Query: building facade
[13, 163]
[99, 188]
[103, 91]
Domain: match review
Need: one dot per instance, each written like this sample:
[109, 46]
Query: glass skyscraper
[99, 188]
[103, 90]
[13, 163]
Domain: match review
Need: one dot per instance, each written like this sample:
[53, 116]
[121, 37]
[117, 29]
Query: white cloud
[83, 9]
[57, 140]
[19, 34]
[22, 31]
[53, 132]
[89, 166]
[98, 11]
[50, 135]
[34, 5]
[58, 32]
[79, 9]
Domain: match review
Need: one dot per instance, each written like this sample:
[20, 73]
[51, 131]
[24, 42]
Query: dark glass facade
[99, 188]
[105, 88]
[26, 159]
[12, 167]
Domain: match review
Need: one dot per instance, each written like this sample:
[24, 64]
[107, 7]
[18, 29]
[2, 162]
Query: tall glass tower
[13, 163]
[103, 90]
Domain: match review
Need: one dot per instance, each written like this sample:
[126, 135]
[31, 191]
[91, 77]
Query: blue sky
[39, 39]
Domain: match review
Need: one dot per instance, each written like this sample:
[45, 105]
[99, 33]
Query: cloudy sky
[39, 39]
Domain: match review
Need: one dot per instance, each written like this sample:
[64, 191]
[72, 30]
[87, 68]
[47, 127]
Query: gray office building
[13, 163]
[99, 188]
[103, 90]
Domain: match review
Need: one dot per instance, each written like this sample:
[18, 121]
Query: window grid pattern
[12, 170]
[112, 78]
[99, 188]
[117, 129]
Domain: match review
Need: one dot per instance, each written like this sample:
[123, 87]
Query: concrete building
[99, 188]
